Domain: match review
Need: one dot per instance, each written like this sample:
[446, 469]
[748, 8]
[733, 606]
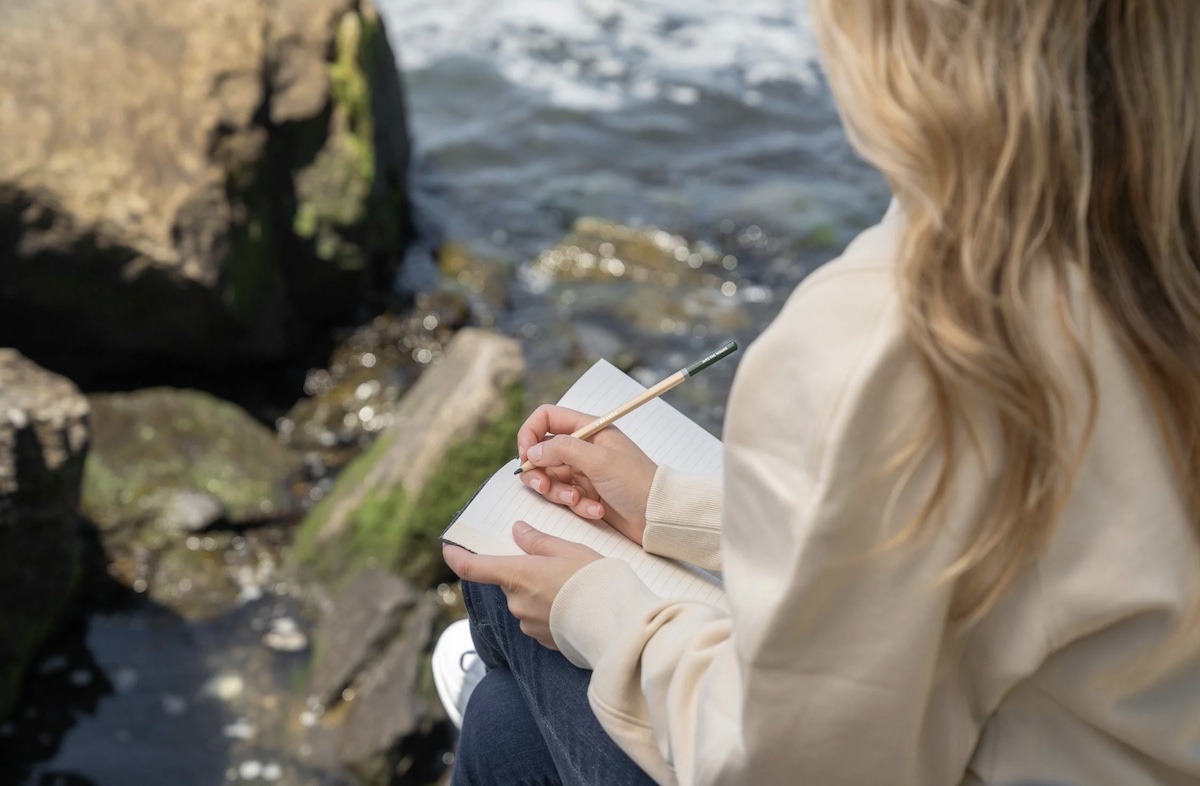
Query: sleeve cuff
[594, 606]
[683, 518]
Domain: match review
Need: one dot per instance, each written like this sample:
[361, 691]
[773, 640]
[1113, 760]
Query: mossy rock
[456, 426]
[152, 446]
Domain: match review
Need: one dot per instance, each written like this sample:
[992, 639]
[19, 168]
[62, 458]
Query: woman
[960, 522]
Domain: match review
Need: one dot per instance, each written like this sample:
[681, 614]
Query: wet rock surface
[355, 629]
[379, 715]
[43, 440]
[355, 397]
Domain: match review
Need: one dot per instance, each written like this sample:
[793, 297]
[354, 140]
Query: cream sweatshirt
[836, 664]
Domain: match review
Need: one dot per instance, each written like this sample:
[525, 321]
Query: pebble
[239, 730]
[250, 769]
[285, 636]
[272, 772]
[225, 687]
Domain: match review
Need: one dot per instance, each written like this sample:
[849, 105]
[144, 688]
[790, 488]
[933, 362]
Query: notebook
[669, 438]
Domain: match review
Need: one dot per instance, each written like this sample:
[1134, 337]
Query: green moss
[334, 192]
[350, 89]
[398, 531]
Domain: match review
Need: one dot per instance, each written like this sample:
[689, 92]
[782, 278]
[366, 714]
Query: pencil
[649, 394]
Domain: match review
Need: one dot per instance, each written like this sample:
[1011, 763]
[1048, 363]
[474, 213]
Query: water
[703, 117]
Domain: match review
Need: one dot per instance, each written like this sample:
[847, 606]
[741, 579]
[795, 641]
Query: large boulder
[454, 428]
[43, 439]
[199, 181]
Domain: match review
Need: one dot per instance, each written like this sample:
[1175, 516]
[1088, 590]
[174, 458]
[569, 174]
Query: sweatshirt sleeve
[683, 518]
[823, 670]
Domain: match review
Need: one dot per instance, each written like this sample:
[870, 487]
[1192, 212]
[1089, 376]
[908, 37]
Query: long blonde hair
[1024, 138]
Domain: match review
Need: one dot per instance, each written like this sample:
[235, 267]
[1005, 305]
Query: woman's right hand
[604, 478]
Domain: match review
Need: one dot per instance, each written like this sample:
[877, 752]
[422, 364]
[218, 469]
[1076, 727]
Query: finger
[540, 479]
[564, 494]
[589, 508]
[549, 419]
[539, 543]
[565, 450]
[504, 572]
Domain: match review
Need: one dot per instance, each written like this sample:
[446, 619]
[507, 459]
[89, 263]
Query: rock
[393, 724]
[43, 440]
[483, 281]
[355, 630]
[452, 431]
[371, 707]
[207, 181]
[597, 250]
[356, 396]
[189, 510]
[165, 461]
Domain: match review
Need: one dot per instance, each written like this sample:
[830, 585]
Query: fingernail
[520, 527]
[535, 452]
[537, 485]
[594, 510]
[567, 497]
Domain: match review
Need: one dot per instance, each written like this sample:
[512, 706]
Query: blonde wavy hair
[1025, 138]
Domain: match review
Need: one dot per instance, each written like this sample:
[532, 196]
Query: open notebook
[484, 526]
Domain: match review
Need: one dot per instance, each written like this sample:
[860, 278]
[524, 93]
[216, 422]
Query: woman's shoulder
[838, 344]
[862, 277]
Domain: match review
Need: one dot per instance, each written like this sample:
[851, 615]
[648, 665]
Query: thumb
[539, 543]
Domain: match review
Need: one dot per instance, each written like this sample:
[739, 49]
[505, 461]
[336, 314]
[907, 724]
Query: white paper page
[659, 429]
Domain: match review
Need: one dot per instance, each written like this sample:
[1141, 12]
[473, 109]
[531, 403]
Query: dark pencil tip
[518, 470]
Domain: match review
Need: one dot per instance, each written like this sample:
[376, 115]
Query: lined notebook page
[667, 437]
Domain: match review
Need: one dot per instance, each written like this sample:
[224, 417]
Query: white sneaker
[457, 669]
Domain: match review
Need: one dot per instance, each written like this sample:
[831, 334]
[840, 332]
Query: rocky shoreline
[198, 193]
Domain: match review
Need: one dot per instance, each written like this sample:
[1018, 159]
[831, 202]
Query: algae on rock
[456, 427]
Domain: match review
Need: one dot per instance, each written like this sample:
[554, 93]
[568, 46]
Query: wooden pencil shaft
[629, 406]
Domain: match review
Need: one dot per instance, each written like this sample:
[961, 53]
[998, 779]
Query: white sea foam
[602, 55]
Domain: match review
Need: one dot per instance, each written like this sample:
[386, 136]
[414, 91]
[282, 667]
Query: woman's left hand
[530, 582]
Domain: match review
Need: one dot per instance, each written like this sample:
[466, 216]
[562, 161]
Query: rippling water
[690, 115]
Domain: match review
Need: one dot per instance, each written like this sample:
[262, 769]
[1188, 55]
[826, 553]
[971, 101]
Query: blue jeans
[528, 721]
